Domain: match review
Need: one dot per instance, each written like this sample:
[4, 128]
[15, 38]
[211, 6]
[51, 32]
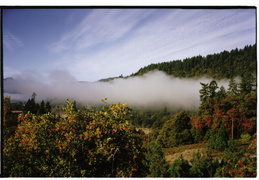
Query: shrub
[179, 168]
[156, 160]
[86, 143]
[217, 140]
[203, 165]
[245, 138]
[238, 163]
[177, 131]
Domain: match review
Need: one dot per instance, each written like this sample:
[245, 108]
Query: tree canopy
[217, 66]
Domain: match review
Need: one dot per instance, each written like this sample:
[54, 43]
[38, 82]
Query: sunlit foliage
[84, 143]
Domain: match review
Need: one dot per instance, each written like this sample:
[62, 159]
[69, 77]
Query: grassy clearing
[187, 151]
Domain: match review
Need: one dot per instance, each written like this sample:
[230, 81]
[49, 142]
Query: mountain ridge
[217, 65]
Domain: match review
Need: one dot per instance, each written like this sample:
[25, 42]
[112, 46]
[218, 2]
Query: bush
[217, 140]
[86, 143]
[156, 160]
[195, 135]
[245, 138]
[185, 137]
[238, 163]
[179, 168]
[177, 131]
[203, 165]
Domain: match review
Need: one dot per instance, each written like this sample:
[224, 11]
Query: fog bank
[154, 89]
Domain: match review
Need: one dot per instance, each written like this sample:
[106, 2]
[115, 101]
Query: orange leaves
[249, 124]
[88, 140]
[73, 154]
[196, 121]
[201, 124]
[233, 113]
[72, 120]
[27, 131]
[235, 119]
[253, 144]
[5, 150]
[133, 169]
[208, 120]
[64, 128]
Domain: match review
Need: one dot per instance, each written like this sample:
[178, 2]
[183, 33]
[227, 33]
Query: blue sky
[91, 44]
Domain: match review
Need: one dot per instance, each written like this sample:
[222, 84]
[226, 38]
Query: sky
[92, 44]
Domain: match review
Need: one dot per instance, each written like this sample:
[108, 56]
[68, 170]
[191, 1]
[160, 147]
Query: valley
[173, 119]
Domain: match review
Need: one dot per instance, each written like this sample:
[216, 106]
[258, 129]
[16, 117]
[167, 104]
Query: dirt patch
[145, 130]
[187, 154]
[171, 154]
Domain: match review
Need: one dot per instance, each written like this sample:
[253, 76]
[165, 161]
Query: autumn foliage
[238, 164]
[234, 109]
[93, 142]
[83, 143]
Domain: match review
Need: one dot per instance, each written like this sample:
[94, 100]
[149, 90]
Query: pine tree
[156, 160]
[31, 105]
[42, 107]
[7, 111]
[48, 107]
[247, 84]
[232, 87]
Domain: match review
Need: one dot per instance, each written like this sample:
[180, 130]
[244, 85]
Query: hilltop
[226, 64]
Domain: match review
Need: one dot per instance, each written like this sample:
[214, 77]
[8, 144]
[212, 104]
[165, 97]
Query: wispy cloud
[11, 41]
[110, 42]
[99, 27]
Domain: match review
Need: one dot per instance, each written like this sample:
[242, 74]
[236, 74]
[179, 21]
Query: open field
[187, 151]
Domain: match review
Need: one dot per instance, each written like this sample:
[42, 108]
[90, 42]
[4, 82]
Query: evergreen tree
[179, 168]
[217, 65]
[204, 92]
[156, 160]
[232, 87]
[7, 111]
[42, 107]
[218, 139]
[48, 107]
[247, 84]
[222, 93]
[203, 165]
[31, 105]
[176, 131]
[212, 88]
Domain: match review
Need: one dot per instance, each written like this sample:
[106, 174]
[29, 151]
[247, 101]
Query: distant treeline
[237, 62]
[104, 142]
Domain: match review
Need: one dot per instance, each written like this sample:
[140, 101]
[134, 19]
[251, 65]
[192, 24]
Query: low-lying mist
[152, 90]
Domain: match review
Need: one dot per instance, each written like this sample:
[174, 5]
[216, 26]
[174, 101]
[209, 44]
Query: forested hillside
[237, 62]
[108, 141]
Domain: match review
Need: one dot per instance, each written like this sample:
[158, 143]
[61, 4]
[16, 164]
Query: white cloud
[155, 89]
[100, 26]
[11, 41]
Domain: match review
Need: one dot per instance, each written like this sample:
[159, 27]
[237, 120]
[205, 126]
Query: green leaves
[176, 131]
[83, 143]
[156, 160]
[199, 166]
[179, 168]
[217, 66]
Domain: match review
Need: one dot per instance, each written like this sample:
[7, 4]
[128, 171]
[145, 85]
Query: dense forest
[111, 141]
[217, 66]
